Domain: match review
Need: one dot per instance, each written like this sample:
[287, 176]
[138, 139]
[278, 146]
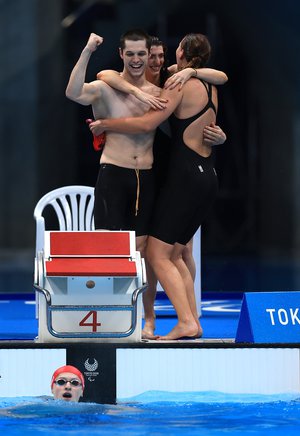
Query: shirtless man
[124, 192]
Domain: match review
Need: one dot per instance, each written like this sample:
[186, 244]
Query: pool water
[155, 413]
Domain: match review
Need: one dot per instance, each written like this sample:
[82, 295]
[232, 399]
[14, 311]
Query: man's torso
[125, 150]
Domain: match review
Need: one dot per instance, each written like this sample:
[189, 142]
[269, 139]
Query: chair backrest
[74, 208]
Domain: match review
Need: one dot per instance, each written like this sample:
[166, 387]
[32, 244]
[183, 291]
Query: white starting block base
[89, 287]
[117, 324]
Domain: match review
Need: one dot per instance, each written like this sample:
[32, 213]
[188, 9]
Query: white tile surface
[248, 370]
[28, 372]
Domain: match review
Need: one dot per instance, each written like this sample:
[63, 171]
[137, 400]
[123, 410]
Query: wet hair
[196, 49]
[135, 35]
[164, 73]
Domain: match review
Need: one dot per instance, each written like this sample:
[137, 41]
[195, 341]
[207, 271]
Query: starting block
[89, 286]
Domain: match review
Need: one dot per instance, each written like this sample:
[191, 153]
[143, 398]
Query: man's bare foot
[182, 331]
[148, 335]
[148, 330]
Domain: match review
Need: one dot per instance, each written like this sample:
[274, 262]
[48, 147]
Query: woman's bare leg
[150, 294]
[177, 258]
[188, 258]
[159, 255]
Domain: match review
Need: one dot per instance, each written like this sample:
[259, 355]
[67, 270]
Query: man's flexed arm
[77, 90]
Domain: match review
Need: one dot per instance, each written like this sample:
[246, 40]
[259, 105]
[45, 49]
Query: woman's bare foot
[181, 330]
[200, 330]
[148, 330]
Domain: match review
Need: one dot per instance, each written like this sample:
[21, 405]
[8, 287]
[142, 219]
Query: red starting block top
[82, 266]
[90, 244]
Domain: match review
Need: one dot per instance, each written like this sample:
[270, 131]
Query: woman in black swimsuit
[191, 182]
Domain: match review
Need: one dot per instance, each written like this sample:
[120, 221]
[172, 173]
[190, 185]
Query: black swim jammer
[124, 199]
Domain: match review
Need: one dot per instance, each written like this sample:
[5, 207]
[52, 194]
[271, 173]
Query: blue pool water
[219, 317]
[157, 414]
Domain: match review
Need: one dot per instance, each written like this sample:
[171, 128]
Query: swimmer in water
[67, 384]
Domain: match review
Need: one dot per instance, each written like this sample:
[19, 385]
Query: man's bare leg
[149, 294]
[148, 302]
[159, 255]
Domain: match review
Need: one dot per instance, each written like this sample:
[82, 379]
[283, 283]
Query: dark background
[251, 240]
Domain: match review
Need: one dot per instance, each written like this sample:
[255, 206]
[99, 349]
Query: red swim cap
[67, 368]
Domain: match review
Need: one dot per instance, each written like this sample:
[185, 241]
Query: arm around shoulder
[215, 77]
[116, 81]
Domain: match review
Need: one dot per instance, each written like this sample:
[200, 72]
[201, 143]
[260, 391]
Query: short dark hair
[156, 42]
[135, 35]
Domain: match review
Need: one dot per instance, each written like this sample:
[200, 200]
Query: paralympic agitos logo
[91, 369]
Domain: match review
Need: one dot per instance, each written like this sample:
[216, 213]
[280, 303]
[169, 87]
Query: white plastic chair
[74, 207]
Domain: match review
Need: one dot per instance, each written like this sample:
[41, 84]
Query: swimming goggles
[63, 382]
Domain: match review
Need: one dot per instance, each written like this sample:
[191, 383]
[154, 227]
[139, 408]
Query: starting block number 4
[94, 324]
[94, 321]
